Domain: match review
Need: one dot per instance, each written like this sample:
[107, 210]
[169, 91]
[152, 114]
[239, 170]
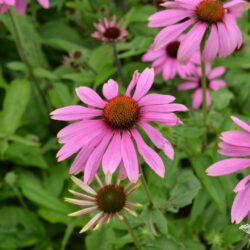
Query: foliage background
[193, 210]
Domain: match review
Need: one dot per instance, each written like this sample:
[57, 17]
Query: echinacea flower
[236, 145]
[165, 60]
[19, 5]
[109, 200]
[109, 31]
[199, 17]
[194, 82]
[106, 131]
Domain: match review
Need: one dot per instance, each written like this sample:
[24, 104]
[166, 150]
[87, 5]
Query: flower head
[109, 31]
[74, 60]
[19, 5]
[199, 17]
[109, 200]
[236, 145]
[165, 60]
[194, 82]
[107, 132]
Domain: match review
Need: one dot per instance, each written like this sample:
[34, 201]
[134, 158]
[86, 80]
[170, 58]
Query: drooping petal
[90, 97]
[237, 138]
[242, 184]
[148, 154]
[133, 83]
[129, 157]
[144, 83]
[228, 166]
[110, 89]
[233, 151]
[241, 123]
[216, 72]
[44, 3]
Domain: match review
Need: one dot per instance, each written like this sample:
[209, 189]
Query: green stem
[118, 64]
[204, 102]
[131, 232]
[146, 189]
[92, 6]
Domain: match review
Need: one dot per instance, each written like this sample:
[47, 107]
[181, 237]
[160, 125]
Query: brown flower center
[172, 49]
[207, 81]
[210, 11]
[122, 112]
[112, 33]
[111, 199]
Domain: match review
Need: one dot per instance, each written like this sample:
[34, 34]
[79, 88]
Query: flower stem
[146, 189]
[118, 65]
[131, 232]
[204, 102]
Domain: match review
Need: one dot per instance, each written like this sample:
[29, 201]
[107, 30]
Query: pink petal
[133, 82]
[44, 3]
[242, 184]
[165, 108]
[187, 86]
[155, 99]
[233, 151]
[191, 43]
[217, 84]
[241, 205]
[129, 157]
[90, 97]
[241, 123]
[21, 6]
[149, 155]
[95, 158]
[216, 72]
[157, 138]
[110, 89]
[225, 47]
[167, 119]
[212, 45]
[144, 83]
[197, 98]
[74, 112]
[237, 138]
[112, 157]
[228, 166]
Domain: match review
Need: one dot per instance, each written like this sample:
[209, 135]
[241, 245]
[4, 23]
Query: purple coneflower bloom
[235, 144]
[194, 82]
[110, 31]
[199, 17]
[110, 200]
[20, 5]
[165, 60]
[106, 131]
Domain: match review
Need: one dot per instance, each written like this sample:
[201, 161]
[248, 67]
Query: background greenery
[193, 210]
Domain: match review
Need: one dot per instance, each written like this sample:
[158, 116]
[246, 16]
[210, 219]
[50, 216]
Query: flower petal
[110, 89]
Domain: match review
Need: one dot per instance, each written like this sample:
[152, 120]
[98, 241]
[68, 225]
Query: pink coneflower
[110, 31]
[194, 82]
[165, 60]
[20, 5]
[106, 131]
[235, 144]
[110, 200]
[199, 17]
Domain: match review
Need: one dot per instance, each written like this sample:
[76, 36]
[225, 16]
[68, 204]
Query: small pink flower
[194, 82]
[20, 5]
[109, 200]
[106, 131]
[109, 31]
[198, 17]
[235, 144]
[165, 60]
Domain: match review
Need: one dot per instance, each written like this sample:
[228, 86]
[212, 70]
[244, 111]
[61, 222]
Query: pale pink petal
[148, 154]
[237, 138]
[197, 98]
[74, 112]
[110, 89]
[233, 151]
[216, 72]
[144, 83]
[129, 157]
[188, 85]
[228, 166]
[241, 123]
[217, 84]
[44, 3]
[225, 47]
[169, 119]
[164, 108]
[212, 45]
[191, 42]
[241, 205]
[90, 97]
[112, 157]
[92, 222]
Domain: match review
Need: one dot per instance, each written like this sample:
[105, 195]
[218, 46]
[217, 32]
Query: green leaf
[14, 105]
[19, 228]
[221, 98]
[185, 190]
